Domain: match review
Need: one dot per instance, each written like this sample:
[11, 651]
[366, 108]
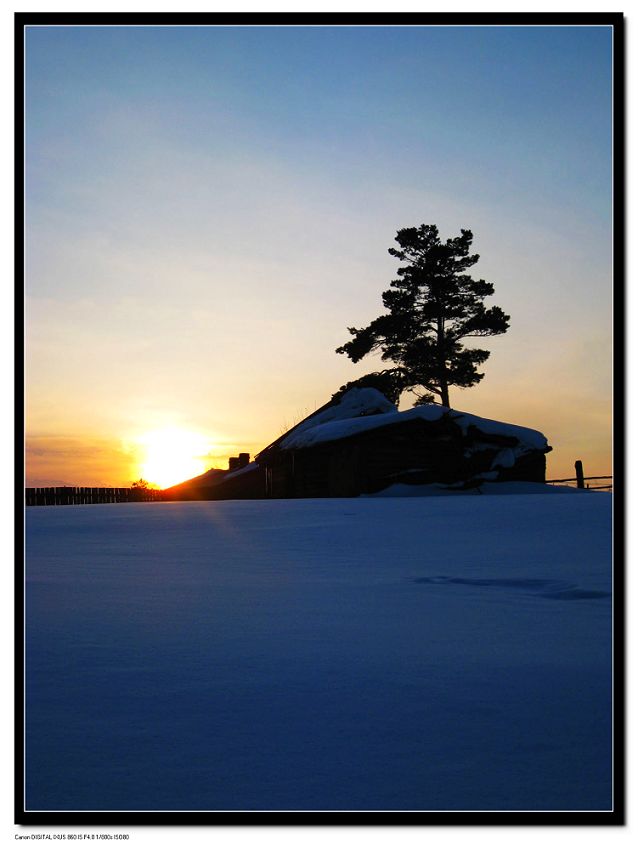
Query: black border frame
[614, 817]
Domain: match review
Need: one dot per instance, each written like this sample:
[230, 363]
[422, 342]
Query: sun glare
[172, 455]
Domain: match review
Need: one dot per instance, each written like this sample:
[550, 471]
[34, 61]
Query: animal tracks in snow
[545, 588]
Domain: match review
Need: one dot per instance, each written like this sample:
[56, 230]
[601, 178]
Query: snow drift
[334, 654]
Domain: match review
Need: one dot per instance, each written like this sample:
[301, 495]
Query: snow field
[337, 654]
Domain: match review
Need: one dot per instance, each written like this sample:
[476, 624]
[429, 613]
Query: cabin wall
[415, 452]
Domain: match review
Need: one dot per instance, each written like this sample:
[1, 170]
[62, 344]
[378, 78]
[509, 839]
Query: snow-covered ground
[342, 654]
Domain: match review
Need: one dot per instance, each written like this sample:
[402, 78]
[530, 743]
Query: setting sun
[172, 455]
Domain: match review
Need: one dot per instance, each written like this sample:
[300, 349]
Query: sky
[208, 209]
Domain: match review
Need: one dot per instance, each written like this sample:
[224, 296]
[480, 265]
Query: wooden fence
[88, 495]
[581, 480]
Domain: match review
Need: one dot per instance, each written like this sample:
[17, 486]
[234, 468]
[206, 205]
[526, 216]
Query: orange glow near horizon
[172, 455]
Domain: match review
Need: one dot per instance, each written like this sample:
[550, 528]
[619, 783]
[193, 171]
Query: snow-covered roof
[349, 418]
[357, 402]
[241, 471]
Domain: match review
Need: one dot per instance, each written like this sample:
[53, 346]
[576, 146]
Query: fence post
[580, 478]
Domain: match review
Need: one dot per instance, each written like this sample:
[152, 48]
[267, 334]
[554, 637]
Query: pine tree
[432, 306]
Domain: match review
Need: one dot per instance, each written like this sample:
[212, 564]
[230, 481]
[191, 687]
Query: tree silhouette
[432, 306]
[141, 484]
[389, 382]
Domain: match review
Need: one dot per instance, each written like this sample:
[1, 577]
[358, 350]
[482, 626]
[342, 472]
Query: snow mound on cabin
[527, 437]
[353, 415]
[357, 402]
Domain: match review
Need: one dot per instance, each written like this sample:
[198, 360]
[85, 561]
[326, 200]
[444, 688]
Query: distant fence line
[573, 482]
[88, 495]
[104, 495]
[580, 480]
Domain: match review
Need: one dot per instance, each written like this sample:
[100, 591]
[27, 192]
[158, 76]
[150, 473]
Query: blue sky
[494, 95]
[208, 210]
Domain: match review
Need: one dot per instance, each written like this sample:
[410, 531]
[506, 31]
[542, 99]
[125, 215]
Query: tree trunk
[440, 343]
